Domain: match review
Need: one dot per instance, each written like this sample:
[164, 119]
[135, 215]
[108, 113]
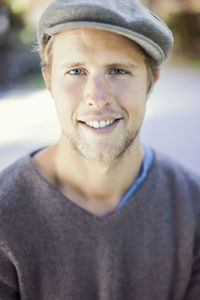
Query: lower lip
[101, 130]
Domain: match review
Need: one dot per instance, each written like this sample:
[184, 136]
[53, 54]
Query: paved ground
[172, 125]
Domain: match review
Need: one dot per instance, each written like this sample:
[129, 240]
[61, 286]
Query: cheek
[65, 88]
[64, 110]
[66, 96]
[131, 95]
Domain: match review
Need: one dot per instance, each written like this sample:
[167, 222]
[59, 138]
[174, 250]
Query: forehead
[90, 41]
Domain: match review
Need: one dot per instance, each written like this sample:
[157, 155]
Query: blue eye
[118, 72]
[76, 72]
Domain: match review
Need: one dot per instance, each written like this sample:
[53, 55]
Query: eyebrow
[122, 65]
[114, 65]
[71, 65]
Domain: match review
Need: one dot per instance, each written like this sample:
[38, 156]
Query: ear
[46, 79]
[155, 79]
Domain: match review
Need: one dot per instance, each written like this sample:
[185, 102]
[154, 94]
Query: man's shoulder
[172, 169]
[13, 195]
[172, 178]
[12, 174]
[13, 180]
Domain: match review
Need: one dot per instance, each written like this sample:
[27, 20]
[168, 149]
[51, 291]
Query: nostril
[97, 101]
[90, 101]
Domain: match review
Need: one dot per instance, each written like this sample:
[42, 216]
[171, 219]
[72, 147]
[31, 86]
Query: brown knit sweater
[51, 249]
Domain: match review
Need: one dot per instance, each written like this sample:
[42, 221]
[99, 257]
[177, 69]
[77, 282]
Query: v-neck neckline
[64, 198]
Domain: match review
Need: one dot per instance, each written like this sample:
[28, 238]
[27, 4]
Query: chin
[107, 153]
[104, 151]
[103, 158]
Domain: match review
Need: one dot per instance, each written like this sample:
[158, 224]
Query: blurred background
[27, 115]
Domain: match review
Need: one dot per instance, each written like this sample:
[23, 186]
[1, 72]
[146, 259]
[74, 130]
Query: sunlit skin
[96, 76]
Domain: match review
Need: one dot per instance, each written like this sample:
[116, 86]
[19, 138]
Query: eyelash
[120, 72]
[75, 70]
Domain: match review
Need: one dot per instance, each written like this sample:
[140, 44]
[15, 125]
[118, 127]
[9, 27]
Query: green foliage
[186, 29]
[34, 82]
[17, 6]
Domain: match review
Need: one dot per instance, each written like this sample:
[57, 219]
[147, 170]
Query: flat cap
[128, 18]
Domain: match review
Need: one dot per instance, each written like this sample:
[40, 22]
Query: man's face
[99, 84]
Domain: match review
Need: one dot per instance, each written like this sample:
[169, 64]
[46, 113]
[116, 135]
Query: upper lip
[98, 119]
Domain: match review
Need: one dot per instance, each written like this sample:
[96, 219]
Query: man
[98, 215]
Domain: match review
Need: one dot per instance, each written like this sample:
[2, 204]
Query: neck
[95, 186]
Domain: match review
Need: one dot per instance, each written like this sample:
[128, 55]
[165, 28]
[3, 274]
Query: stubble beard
[108, 154]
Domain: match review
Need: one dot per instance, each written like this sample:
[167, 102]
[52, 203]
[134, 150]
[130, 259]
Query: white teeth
[101, 124]
[96, 124]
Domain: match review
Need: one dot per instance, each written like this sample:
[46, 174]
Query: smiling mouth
[100, 125]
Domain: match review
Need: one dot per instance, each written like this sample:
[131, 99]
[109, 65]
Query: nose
[97, 92]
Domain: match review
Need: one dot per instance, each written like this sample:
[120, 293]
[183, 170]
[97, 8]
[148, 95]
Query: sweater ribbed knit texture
[51, 249]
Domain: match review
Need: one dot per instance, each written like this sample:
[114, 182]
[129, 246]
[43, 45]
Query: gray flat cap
[125, 17]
